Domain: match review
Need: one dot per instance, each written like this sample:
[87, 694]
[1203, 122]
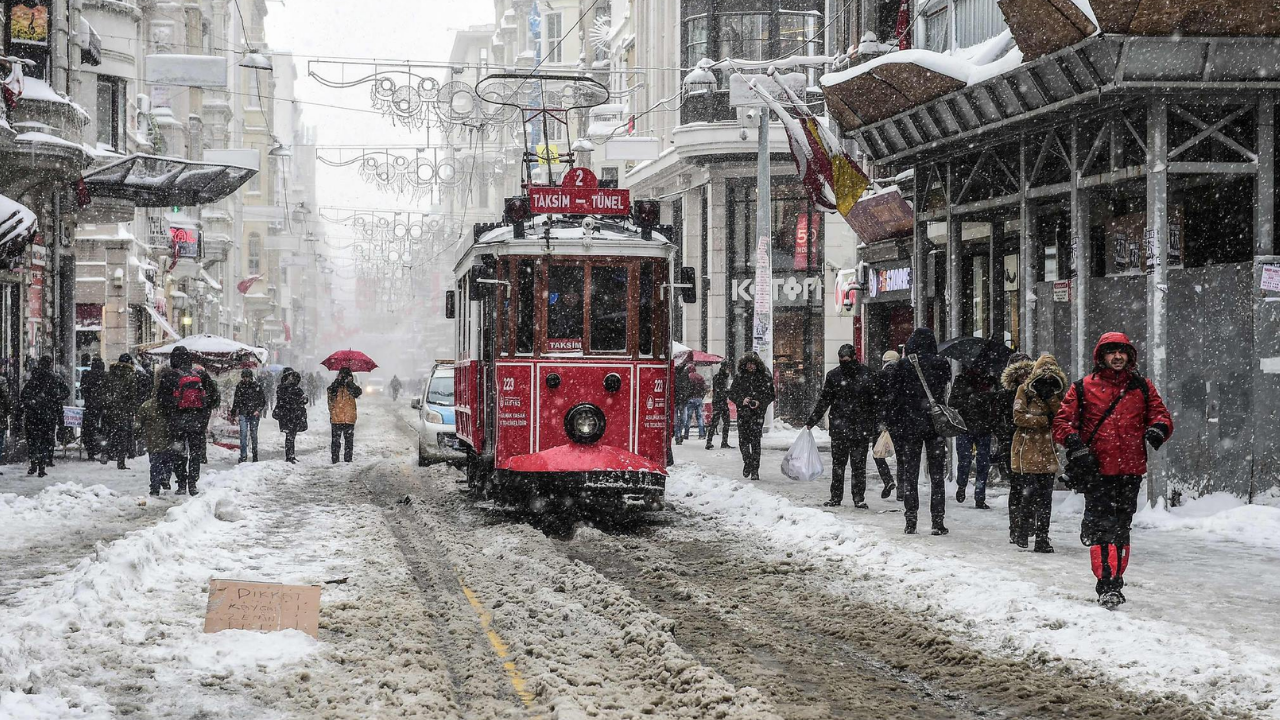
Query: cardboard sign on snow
[267, 607]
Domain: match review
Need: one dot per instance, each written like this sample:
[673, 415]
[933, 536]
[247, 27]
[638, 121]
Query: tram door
[488, 330]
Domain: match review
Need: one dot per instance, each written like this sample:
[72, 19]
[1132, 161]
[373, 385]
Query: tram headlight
[584, 423]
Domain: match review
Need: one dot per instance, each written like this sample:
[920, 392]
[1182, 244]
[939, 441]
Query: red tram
[563, 380]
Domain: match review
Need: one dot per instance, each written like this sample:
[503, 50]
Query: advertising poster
[29, 22]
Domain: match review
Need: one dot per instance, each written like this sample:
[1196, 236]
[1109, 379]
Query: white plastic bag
[884, 447]
[803, 462]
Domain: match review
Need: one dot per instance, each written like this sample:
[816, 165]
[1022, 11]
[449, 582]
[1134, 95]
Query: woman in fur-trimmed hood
[1034, 456]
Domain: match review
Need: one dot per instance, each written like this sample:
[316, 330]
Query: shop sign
[186, 242]
[801, 257]
[579, 194]
[847, 287]
[1062, 291]
[889, 280]
[787, 290]
[880, 217]
[1271, 277]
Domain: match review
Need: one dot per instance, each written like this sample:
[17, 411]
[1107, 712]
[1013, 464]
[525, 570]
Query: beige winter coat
[1033, 451]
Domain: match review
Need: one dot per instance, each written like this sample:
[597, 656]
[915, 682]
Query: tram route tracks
[478, 680]
[816, 654]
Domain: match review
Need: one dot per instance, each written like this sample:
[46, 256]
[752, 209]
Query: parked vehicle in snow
[437, 437]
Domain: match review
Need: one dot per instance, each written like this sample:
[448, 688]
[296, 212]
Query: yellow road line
[500, 648]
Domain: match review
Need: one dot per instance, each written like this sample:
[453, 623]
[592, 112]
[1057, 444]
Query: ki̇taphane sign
[579, 194]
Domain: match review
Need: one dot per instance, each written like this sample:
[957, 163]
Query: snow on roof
[47, 139]
[26, 220]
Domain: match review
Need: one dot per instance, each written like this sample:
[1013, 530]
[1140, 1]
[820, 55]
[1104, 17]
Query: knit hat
[125, 358]
[890, 356]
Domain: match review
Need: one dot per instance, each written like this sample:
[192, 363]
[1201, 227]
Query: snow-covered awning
[90, 44]
[164, 324]
[17, 225]
[153, 181]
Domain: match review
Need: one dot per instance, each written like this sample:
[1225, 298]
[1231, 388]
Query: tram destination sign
[579, 194]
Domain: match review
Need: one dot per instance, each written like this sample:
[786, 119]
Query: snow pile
[140, 599]
[1218, 515]
[993, 605]
[23, 520]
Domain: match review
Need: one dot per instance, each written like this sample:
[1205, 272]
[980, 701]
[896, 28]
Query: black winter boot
[1042, 545]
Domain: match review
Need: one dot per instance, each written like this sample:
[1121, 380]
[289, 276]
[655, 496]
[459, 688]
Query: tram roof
[567, 238]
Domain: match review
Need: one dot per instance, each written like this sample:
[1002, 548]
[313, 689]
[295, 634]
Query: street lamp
[701, 79]
[255, 60]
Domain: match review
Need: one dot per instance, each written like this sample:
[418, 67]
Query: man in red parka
[1103, 422]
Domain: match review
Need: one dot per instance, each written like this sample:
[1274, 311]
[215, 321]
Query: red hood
[1115, 338]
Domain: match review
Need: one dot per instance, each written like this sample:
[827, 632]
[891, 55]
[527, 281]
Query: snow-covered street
[739, 601]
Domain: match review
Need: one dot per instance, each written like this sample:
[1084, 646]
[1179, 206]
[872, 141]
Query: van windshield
[440, 391]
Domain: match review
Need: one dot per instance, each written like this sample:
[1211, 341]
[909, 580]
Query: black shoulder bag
[945, 420]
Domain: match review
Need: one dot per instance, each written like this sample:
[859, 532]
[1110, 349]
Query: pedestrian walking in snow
[291, 411]
[186, 397]
[851, 392]
[752, 392]
[1014, 374]
[343, 392]
[882, 464]
[1033, 456]
[394, 386]
[1104, 420]
[247, 407]
[268, 384]
[121, 393]
[972, 395]
[93, 383]
[907, 416]
[42, 400]
[146, 381]
[693, 406]
[680, 391]
[158, 442]
[720, 405]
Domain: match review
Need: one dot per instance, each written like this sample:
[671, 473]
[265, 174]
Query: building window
[111, 111]
[749, 29]
[936, 28]
[26, 33]
[555, 32]
[255, 253]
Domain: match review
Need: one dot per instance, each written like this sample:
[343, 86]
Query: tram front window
[608, 309]
[564, 308]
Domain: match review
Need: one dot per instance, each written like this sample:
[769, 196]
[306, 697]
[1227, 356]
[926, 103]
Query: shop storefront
[798, 294]
[889, 318]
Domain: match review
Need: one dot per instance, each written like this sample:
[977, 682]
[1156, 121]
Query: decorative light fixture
[254, 60]
[701, 78]
[279, 150]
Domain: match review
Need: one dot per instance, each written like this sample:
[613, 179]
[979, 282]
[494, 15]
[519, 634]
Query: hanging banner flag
[801, 255]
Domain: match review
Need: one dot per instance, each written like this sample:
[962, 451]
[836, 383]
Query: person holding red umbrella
[343, 392]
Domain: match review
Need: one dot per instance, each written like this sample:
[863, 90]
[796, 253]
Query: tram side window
[609, 308]
[564, 308]
[524, 307]
[646, 310]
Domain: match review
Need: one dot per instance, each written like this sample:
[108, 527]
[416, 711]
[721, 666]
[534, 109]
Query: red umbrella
[699, 357]
[353, 360]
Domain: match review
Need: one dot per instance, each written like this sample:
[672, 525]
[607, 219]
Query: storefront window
[744, 37]
[696, 33]
[609, 308]
[564, 308]
[750, 29]
[797, 33]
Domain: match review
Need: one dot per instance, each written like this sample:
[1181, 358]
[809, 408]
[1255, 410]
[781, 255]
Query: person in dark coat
[395, 386]
[185, 402]
[121, 393]
[752, 392]
[681, 388]
[6, 411]
[906, 413]
[146, 380]
[693, 406]
[93, 384]
[42, 400]
[720, 405]
[246, 407]
[1106, 458]
[882, 465]
[851, 393]
[972, 395]
[1015, 373]
[291, 410]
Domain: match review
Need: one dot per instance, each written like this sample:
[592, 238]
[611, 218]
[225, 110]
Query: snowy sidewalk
[1204, 597]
